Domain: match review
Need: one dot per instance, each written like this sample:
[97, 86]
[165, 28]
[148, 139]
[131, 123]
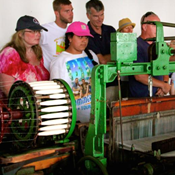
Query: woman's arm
[6, 82]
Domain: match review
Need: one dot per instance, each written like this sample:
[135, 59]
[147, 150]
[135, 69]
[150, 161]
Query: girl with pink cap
[75, 64]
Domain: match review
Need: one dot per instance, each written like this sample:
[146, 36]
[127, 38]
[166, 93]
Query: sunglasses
[146, 15]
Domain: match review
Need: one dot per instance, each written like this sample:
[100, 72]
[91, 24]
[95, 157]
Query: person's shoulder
[108, 27]
[9, 51]
[94, 55]
[59, 57]
[139, 39]
[50, 24]
[141, 42]
[10, 55]
[92, 52]
[88, 23]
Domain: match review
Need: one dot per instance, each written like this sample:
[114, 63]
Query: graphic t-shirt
[52, 42]
[76, 71]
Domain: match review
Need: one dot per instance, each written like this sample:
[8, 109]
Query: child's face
[79, 43]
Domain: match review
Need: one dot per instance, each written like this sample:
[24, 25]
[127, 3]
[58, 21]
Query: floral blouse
[11, 64]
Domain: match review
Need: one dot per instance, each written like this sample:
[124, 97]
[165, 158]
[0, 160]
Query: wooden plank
[35, 153]
[43, 164]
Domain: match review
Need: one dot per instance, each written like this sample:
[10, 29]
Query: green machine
[123, 52]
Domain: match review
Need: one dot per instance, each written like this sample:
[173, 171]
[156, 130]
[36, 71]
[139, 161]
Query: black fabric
[90, 56]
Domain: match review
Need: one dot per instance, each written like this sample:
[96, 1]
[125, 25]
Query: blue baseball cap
[28, 22]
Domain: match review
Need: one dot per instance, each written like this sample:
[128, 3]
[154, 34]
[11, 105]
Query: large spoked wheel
[89, 165]
[73, 104]
[24, 130]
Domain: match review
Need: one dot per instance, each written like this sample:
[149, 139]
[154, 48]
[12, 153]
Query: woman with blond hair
[21, 58]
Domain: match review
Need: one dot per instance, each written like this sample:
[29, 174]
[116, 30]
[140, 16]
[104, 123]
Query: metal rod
[168, 24]
[163, 23]
[120, 106]
[165, 38]
[169, 38]
[150, 84]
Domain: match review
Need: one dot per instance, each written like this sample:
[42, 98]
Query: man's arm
[165, 87]
[103, 59]
[166, 78]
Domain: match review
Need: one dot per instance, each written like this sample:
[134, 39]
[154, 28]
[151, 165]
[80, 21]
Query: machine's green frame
[123, 53]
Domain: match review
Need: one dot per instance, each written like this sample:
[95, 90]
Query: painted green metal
[97, 127]
[74, 111]
[123, 55]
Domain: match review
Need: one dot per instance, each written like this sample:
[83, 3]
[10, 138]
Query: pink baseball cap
[79, 29]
